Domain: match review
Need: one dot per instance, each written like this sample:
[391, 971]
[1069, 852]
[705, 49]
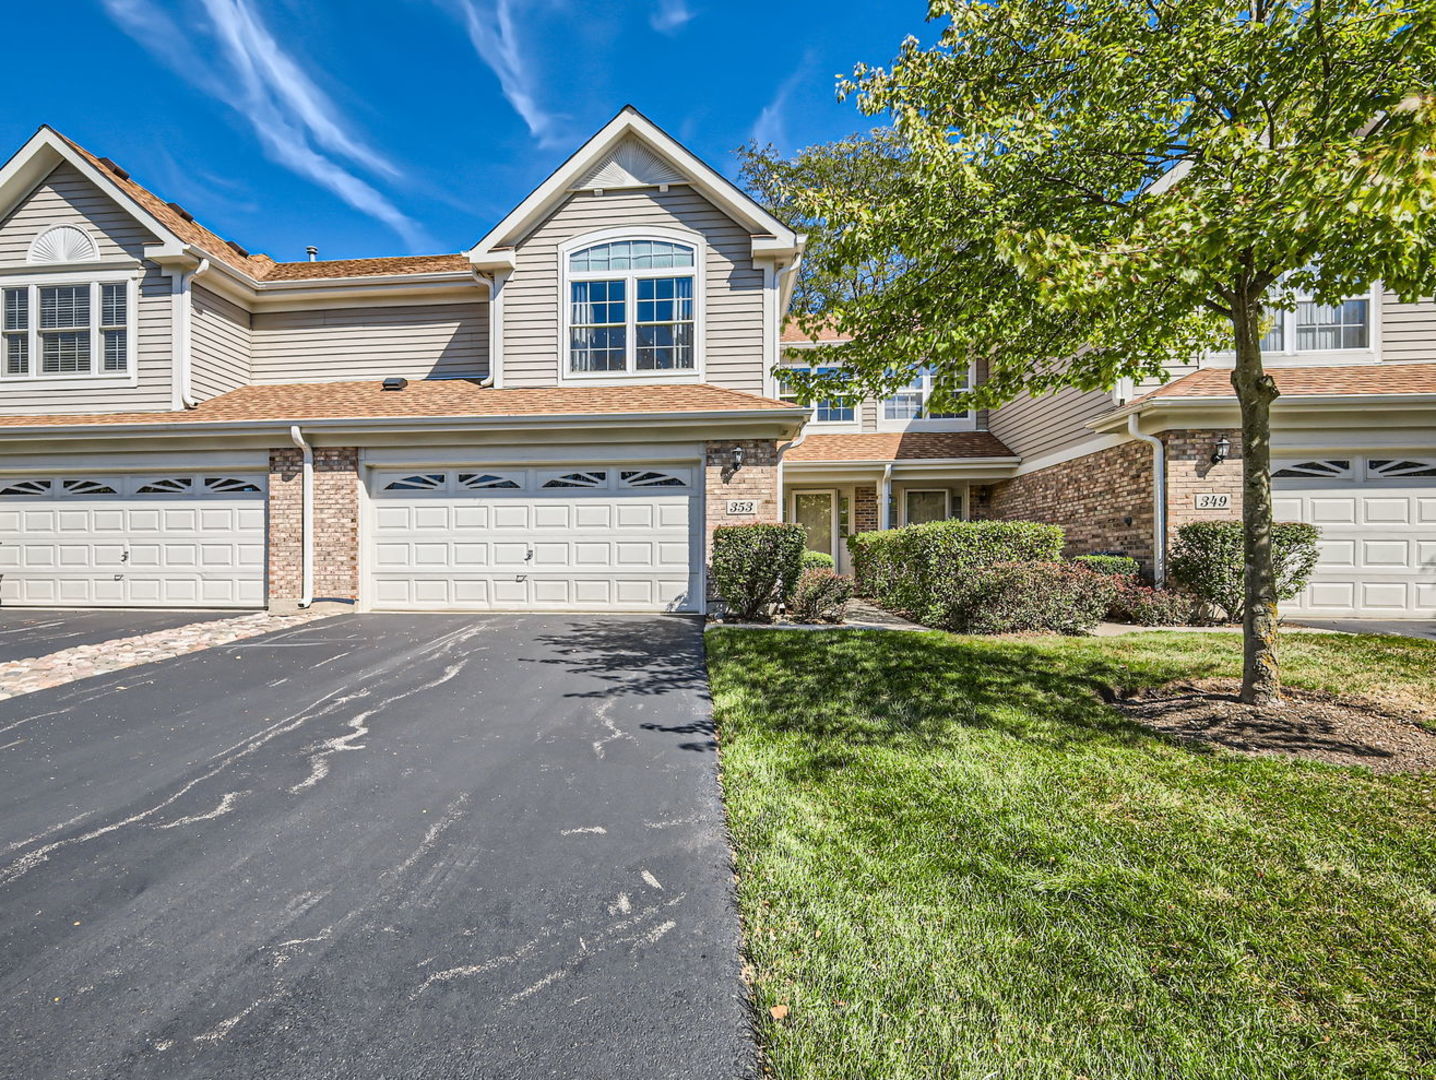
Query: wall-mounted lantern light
[737, 458]
[1220, 451]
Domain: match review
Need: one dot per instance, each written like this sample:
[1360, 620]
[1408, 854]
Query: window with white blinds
[66, 329]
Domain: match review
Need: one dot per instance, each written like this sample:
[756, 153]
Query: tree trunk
[1261, 678]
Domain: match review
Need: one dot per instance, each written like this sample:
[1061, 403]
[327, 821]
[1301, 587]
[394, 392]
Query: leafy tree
[1094, 188]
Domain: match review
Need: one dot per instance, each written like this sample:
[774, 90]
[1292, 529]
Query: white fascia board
[714, 422]
[772, 239]
[998, 465]
[39, 157]
[1284, 403]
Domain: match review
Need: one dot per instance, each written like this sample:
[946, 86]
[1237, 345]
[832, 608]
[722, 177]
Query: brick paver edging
[81, 662]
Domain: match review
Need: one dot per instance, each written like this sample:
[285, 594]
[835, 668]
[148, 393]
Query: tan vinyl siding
[153, 355]
[1032, 427]
[733, 340]
[1408, 331]
[220, 344]
[65, 197]
[416, 341]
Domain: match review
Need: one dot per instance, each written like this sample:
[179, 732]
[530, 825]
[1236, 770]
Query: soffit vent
[63, 244]
[630, 165]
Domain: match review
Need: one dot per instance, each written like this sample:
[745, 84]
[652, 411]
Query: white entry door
[1377, 516]
[133, 540]
[618, 537]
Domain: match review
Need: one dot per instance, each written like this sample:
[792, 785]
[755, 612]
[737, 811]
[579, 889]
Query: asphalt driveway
[374, 847]
[30, 632]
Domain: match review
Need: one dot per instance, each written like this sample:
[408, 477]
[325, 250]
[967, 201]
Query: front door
[816, 512]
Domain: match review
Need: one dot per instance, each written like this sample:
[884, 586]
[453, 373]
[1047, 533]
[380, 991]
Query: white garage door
[576, 538]
[133, 540]
[1377, 516]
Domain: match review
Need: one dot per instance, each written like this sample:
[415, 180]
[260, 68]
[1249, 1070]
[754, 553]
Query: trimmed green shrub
[756, 566]
[1146, 606]
[913, 570]
[1110, 564]
[817, 560]
[1209, 559]
[1022, 596]
[820, 596]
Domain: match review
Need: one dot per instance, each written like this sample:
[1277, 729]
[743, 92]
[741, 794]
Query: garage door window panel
[1383, 467]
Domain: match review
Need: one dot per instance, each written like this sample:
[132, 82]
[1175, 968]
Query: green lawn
[956, 862]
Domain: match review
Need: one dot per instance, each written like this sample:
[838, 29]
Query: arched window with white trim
[632, 306]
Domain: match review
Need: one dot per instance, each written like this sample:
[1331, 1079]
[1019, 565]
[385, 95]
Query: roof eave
[787, 419]
[771, 238]
[1286, 401]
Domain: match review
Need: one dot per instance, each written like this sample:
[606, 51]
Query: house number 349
[1214, 501]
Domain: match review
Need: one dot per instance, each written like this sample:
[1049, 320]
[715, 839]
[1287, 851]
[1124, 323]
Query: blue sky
[380, 127]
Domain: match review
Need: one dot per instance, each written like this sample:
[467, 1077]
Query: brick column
[336, 524]
[865, 509]
[757, 481]
[1190, 473]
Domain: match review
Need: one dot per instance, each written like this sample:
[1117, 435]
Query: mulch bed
[1311, 725]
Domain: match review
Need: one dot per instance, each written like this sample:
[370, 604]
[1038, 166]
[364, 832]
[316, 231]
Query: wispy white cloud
[771, 127]
[671, 16]
[296, 122]
[491, 29]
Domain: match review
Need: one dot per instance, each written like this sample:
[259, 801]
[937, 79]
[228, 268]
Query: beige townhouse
[557, 417]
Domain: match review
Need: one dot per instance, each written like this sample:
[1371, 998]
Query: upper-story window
[632, 308]
[910, 406]
[1314, 327]
[61, 329]
[831, 411]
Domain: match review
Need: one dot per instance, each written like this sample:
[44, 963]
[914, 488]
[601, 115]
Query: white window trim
[37, 379]
[845, 426]
[1290, 355]
[967, 423]
[700, 278]
[833, 495]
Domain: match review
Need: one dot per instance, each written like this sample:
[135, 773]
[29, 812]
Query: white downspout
[885, 498]
[307, 508]
[496, 281]
[184, 317]
[1159, 498]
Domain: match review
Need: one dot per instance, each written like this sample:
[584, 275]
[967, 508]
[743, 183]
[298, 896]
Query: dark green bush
[915, 570]
[1110, 564]
[1021, 596]
[755, 566]
[817, 560]
[820, 596]
[1146, 606]
[1209, 559]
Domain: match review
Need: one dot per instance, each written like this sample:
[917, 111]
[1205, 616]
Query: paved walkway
[1412, 628]
[100, 658]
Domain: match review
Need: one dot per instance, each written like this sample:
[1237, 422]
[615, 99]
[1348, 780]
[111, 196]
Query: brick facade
[1190, 473]
[756, 480]
[1102, 500]
[336, 524]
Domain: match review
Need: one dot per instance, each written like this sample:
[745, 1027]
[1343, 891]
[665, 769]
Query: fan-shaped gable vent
[63, 244]
[630, 165]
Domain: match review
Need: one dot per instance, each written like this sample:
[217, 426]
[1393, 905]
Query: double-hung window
[830, 411]
[632, 308]
[910, 405]
[65, 329]
[1320, 328]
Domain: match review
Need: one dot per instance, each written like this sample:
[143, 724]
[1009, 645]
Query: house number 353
[742, 507]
